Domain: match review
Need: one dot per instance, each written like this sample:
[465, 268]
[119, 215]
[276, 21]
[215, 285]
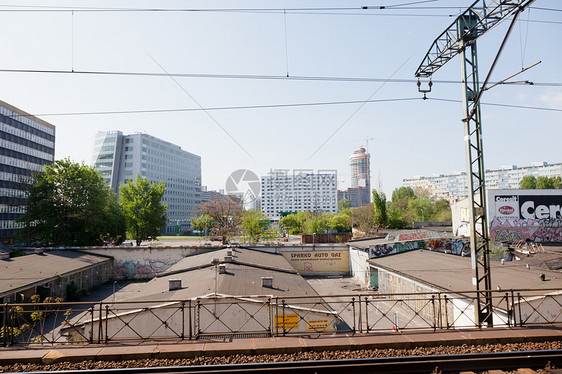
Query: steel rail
[405, 364]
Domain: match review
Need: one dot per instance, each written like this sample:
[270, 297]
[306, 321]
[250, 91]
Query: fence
[218, 316]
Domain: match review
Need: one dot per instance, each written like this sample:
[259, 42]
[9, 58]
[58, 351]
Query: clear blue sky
[335, 39]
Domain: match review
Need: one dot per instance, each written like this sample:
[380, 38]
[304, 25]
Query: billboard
[528, 215]
[318, 261]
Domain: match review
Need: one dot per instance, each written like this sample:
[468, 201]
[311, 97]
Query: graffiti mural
[382, 250]
[451, 246]
[534, 230]
[528, 215]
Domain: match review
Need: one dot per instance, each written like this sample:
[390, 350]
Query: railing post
[276, 316]
[106, 323]
[5, 325]
[439, 312]
[198, 316]
[507, 310]
[283, 310]
[360, 316]
[353, 307]
[513, 315]
[446, 311]
[519, 305]
[367, 313]
[92, 325]
[190, 320]
[270, 332]
[182, 308]
[100, 319]
[434, 319]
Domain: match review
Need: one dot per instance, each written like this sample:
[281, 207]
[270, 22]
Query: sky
[281, 84]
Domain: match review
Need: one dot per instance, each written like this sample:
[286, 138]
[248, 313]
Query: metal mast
[460, 38]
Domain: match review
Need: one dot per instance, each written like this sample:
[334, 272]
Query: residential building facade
[27, 143]
[455, 186]
[286, 191]
[121, 157]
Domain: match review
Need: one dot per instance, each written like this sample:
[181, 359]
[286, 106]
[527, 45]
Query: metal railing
[218, 316]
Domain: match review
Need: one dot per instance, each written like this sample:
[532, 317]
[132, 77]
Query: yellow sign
[318, 261]
[291, 321]
[317, 324]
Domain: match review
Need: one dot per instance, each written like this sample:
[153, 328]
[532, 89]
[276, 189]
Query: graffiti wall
[451, 246]
[144, 262]
[528, 215]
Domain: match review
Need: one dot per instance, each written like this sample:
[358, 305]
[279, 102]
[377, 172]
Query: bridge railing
[219, 316]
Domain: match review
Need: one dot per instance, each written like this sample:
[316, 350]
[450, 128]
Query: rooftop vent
[174, 284]
[222, 268]
[4, 256]
[227, 258]
[215, 261]
[229, 253]
[267, 282]
[38, 251]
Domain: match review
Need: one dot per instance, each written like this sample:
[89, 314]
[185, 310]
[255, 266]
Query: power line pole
[460, 38]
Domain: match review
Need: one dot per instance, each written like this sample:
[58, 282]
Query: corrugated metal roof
[451, 272]
[242, 277]
[22, 272]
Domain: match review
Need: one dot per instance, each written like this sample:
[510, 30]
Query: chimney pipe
[267, 282]
[174, 284]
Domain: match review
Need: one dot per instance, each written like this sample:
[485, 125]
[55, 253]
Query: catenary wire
[247, 76]
[273, 106]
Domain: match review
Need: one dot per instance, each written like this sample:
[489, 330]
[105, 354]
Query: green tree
[202, 223]
[379, 209]
[145, 214]
[544, 183]
[255, 225]
[69, 204]
[362, 219]
[226, 216]
[316, 223]
[343, 205]
[340, 222]
[294, 223]
[528, 182]
[442, 211]
[421, 209]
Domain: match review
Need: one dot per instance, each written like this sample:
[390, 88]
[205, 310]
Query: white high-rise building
[120, 157]
[284, 192]
[455, 186]
[27, 144]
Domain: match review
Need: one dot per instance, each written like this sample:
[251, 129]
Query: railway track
[454, 363]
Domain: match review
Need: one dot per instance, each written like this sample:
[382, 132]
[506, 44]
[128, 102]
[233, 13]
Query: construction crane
[460, 39]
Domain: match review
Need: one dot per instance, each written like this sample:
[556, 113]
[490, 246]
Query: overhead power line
[244, 76]
[273, 106]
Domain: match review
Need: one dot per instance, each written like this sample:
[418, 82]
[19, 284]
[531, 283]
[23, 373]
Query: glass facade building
[121, 157]
[27, 144]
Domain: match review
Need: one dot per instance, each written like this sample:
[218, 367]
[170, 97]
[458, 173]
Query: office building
[121, 157]
[455, 186]
[27, 143]
[359, 193]
[285, 191]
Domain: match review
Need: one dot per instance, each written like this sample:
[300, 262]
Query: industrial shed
[232, 291]
[48, 273]
[428, 271]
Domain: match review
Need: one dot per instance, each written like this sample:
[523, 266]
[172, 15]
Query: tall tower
[361, 175]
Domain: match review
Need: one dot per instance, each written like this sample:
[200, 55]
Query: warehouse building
[48, 274]
[232, 291]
